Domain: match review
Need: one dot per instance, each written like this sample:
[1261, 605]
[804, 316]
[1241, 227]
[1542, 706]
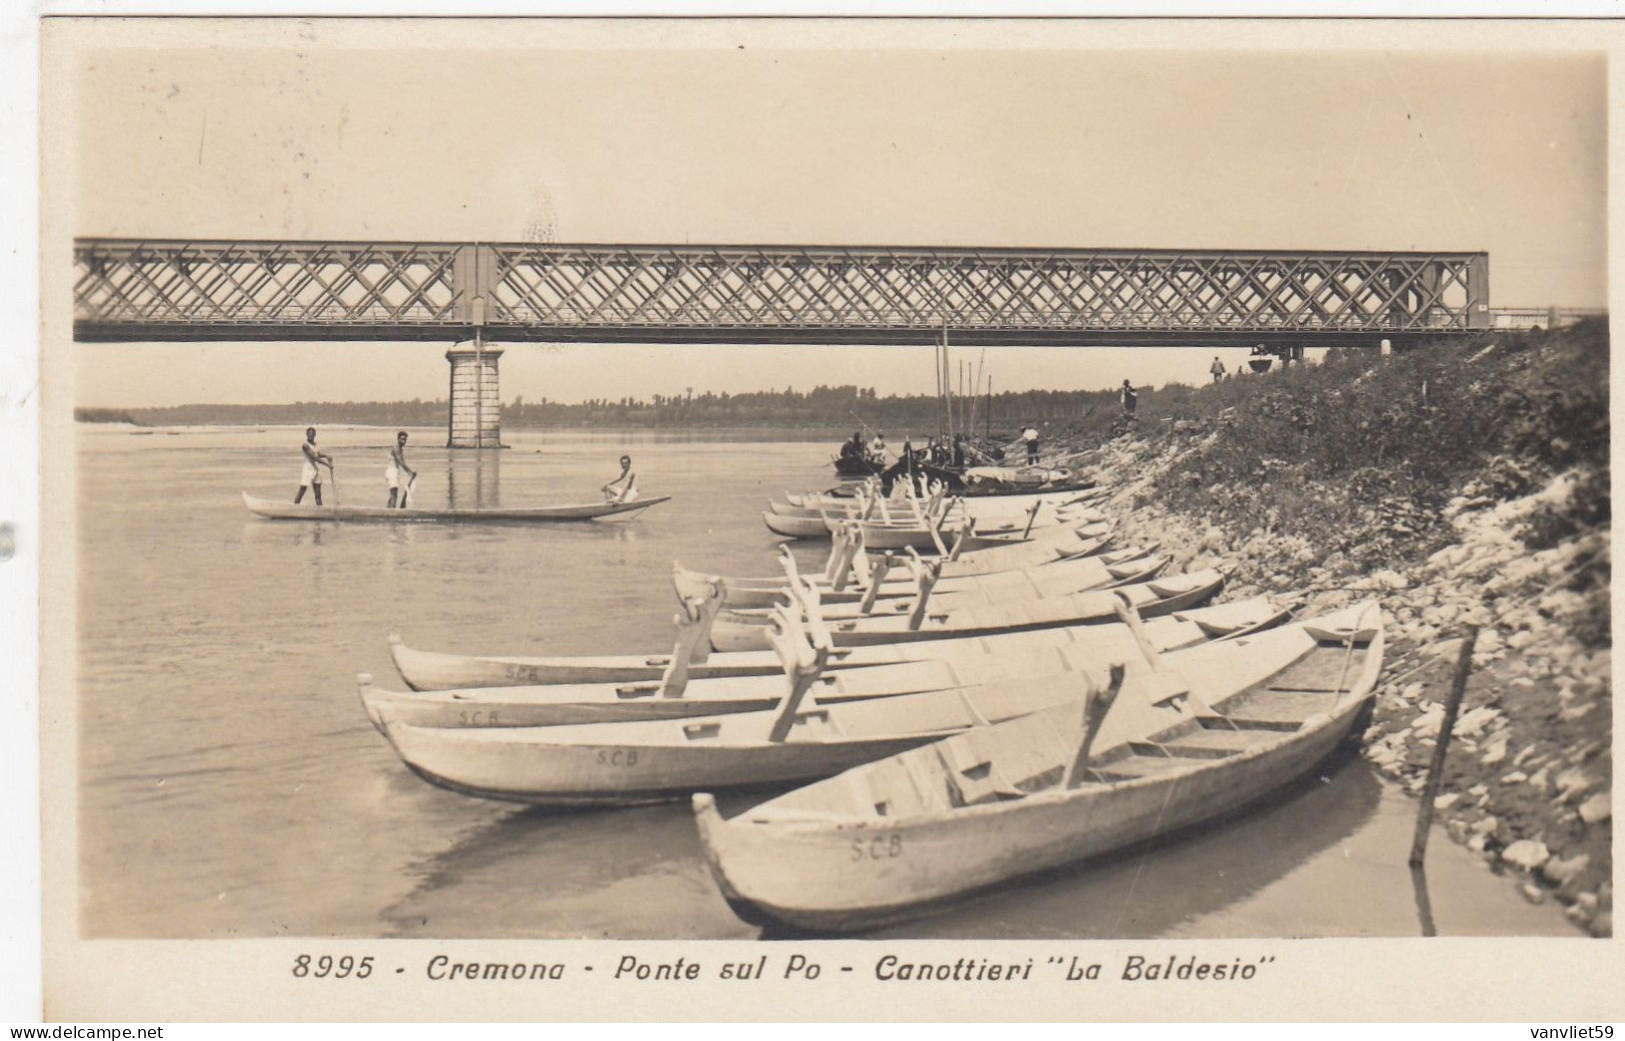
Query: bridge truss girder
[214, 290]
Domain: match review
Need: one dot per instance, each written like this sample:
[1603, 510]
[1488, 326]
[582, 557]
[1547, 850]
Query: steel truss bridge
[147, 289]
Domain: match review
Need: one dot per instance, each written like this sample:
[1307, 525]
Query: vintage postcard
[1222, 630]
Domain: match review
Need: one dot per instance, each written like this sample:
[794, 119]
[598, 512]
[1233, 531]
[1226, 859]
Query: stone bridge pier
[474, 419]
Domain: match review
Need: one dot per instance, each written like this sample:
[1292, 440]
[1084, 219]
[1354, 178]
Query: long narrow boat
[1222, 725]
[733, 631]
[962, 664]
[904, 509]
[436, 671]
[764, 591]
[646, 761]
[1005, 587]
[278, 510]
[976, 534]
[1016, 502]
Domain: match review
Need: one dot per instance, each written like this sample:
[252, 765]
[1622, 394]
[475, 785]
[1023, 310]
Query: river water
[231, 786]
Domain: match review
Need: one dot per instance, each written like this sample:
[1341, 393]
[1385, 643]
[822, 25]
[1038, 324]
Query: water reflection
[473, 479]
[1424, 906]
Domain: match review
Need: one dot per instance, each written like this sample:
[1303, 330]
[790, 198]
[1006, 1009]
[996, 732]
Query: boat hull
[609, 773]
[739, 631]
[852, 878]
[1227, 725]
[286, 511]
[434, 671]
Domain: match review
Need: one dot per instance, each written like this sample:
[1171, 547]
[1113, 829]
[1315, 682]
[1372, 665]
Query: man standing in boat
[625, 487]
[1029, 437]
[397, 467]
[309, 474]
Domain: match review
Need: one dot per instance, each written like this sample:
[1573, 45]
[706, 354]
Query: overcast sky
[322, 132]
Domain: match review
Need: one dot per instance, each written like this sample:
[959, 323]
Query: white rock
[1526, 854]
[1515, 777]
[1485, 826]
[1477, 720]
[1572, 783]
[1596, 809]
[1444, 802]
[1391, 580]
[1558, 871]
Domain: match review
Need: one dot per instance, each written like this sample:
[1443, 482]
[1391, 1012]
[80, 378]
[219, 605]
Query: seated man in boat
[309, 476]
[852, 449]
[877, 449]
[397, 467]
[625, 487]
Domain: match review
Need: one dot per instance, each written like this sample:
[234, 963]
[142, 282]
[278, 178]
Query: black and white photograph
[957, 509]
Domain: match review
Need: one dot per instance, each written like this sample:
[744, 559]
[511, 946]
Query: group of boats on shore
[965, 694]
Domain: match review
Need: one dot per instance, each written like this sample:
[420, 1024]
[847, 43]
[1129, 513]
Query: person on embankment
[310, 476]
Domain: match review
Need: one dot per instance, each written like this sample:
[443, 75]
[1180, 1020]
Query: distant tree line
[822, 407]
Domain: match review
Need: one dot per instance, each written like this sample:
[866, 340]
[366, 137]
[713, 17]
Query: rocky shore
[1512, 535]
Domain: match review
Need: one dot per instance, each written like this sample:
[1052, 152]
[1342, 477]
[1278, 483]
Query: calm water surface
[232, 785]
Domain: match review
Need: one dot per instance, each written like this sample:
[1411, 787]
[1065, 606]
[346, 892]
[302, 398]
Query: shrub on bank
[1361, 453]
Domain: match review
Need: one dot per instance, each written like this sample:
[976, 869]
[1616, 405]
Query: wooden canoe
[648, 761]
[436, 671]
[308, 511]
[1046, 583]
[962, 664]
[764, 591]
[1011, 503]
[1220, 726]
[734, 631]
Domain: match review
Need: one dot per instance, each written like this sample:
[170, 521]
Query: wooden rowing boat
[961, 664]
[437, 671]
[278, 510]
[733, 631]
[764, 591]
[1213, 729]
[1043, 583]
[645, 761]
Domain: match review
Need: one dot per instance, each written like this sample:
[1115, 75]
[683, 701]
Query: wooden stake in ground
[1458, 687]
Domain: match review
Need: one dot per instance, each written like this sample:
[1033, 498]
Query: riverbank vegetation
[830, 409]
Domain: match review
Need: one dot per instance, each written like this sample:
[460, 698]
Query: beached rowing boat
[1043, 583]
[733, 631]
[623, 763]
[1212, 729]
[436, 671]
[765, 591]
[278, 510]
[675, 694]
